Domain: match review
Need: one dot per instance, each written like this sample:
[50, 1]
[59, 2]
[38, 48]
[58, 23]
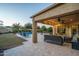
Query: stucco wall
[64, 8]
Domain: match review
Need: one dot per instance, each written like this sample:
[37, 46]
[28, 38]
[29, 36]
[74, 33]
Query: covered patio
[60, 16]
[64, 19]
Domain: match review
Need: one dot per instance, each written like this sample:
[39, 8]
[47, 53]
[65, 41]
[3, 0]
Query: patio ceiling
[67, 20]
[52, 22]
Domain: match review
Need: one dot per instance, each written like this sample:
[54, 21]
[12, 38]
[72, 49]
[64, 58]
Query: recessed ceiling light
[71, 19]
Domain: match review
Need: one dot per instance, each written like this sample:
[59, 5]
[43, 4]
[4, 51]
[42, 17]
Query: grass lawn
[9, 41]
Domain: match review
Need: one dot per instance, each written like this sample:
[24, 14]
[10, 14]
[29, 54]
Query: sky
[19, 12]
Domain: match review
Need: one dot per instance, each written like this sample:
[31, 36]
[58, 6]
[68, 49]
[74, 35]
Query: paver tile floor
[41, 49]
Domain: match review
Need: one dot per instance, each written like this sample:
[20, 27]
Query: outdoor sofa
[54, 39]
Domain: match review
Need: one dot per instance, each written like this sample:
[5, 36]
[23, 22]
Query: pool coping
[18, 35]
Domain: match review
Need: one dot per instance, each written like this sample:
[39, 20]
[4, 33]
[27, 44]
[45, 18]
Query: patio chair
[67, 39]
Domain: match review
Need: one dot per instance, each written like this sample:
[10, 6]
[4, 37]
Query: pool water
[26, 34]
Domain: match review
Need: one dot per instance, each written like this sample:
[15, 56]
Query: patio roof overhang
[57, 10]
[44, 10]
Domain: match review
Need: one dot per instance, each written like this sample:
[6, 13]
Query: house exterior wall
[61, 9]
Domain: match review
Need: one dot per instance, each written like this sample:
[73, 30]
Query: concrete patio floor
[41, 49]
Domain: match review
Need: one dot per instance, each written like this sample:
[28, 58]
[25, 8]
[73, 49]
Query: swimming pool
[26, 34]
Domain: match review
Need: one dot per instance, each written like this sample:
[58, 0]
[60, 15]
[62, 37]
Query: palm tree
[28, 26]
[16, 27]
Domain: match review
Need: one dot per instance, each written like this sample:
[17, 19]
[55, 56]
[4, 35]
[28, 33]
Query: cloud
[8, 22]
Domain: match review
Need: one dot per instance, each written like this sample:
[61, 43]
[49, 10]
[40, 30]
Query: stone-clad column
[54, 30]
[34, 31]
[69, 31]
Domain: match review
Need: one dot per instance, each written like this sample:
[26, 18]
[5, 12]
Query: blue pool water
[26, 34]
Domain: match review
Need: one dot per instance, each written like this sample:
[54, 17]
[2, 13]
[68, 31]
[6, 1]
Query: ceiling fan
[60, 21]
